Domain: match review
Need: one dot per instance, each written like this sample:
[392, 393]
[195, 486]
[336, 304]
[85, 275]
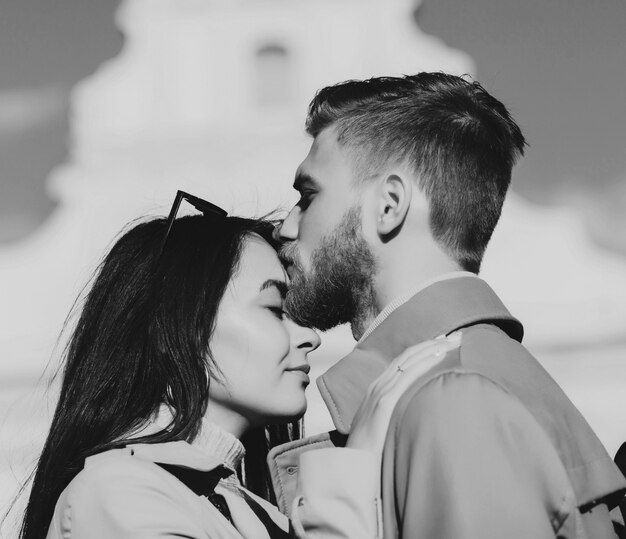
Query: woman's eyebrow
[281, 286]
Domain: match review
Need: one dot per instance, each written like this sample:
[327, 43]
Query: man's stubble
[339, 287]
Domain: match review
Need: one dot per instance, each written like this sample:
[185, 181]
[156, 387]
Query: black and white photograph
[313, 269]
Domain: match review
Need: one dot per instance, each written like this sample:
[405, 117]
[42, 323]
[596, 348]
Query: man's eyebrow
[281, 286]
[303, 179]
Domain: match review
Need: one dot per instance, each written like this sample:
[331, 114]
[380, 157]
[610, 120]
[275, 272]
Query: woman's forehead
[258, 264]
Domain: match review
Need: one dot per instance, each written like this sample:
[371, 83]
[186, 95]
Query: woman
[180, 359]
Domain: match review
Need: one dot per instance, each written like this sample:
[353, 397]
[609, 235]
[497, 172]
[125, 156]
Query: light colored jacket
[127, 493]
[149, 491]
[484, 445]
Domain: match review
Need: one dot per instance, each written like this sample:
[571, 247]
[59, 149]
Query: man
[400, 193]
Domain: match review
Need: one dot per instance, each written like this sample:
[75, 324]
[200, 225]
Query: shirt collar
[400, 300]
[437, 309]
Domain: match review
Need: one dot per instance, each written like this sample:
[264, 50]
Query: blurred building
[206, 96]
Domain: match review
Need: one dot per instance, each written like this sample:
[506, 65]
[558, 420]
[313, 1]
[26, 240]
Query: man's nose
[288, 230]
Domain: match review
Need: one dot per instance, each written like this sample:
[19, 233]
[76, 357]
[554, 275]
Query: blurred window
[273, 75]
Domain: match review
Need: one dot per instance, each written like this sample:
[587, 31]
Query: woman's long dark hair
[142, 340]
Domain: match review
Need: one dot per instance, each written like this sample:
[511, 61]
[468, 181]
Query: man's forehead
[325, 154]
[326, 140]
[307, 170]
[312, 157]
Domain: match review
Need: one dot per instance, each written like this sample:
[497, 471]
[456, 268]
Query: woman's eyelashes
[277, 311]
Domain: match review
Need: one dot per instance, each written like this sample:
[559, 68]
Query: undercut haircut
[459, 140]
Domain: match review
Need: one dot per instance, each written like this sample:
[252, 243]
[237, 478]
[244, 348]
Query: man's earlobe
[395, 200]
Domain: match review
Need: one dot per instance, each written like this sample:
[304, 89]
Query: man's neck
[402, 266]
[402, 279]
[402, 297]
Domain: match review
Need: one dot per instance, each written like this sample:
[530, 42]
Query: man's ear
[396, 192]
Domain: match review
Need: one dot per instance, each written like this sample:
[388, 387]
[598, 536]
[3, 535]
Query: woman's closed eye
[277, 311]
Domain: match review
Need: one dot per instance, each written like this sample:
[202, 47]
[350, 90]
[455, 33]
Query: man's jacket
[486, 444]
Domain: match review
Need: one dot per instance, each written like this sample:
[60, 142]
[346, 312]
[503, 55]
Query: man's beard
[340, 286]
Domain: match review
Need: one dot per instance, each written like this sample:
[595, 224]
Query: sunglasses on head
[204, 206]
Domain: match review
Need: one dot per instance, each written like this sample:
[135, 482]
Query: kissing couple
[183, 384]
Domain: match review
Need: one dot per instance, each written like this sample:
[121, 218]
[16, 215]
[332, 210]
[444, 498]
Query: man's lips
[291, 268]
[288, 257]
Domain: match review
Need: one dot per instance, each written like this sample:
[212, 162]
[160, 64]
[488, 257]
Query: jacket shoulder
[118, 468]
[462, 441]
[490, 342]
[513, 373]
[120, 495]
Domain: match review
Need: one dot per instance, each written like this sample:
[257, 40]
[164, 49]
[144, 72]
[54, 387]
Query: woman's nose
[311, 340]
[303, 338]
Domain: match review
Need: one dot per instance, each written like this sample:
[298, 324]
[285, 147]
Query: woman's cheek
[273, 337]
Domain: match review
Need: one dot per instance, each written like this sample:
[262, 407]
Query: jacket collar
[179, 453]
[438, 309]
[197, 470]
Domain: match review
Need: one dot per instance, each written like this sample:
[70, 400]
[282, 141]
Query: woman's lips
[302, 371]
[302, 375]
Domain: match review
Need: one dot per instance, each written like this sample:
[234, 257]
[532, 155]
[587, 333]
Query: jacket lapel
[439, 309]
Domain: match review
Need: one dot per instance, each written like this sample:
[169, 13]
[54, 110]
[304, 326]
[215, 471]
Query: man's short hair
[460, 141]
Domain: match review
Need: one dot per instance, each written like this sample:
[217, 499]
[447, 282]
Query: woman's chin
[288, 417]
